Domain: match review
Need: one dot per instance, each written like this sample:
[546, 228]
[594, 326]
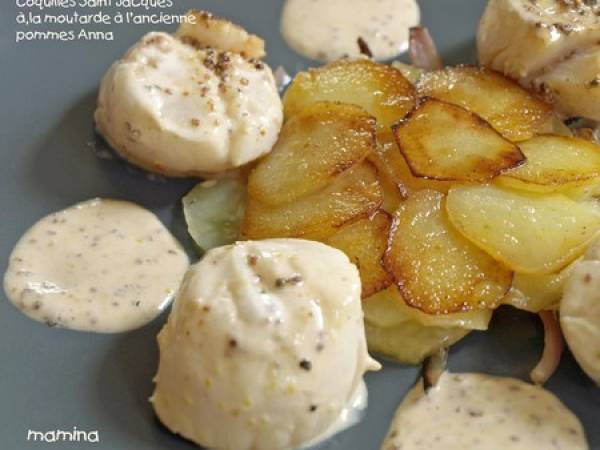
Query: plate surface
[56, 379]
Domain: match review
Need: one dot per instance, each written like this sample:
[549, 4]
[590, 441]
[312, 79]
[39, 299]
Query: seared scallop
[580, 313]
[191, 104]
[549, 45]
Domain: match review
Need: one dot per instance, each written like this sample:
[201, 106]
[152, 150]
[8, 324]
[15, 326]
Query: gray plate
[56, 379]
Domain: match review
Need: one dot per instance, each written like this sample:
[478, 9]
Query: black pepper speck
[305, 364]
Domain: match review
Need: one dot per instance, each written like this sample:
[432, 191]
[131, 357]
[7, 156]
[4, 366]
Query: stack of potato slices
[453, 194]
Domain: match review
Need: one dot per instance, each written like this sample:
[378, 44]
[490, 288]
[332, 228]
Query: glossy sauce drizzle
[326, 30]
[481, 412]
[101, 265]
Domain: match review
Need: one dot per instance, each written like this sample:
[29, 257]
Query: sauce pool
[476, 411]
[326, 30]
[101, 265]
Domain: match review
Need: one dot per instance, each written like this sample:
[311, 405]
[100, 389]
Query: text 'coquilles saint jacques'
[56, 13]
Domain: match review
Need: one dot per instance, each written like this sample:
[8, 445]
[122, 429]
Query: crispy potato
[535, 293]
[554, 163]
[581, 189]
[559, 127]
[379, 89]
[391, 164]
[530, 233]
[387, 309]
[393, 193]
[436, 269]
[394, 189]
[365, 242]
[354, 194]
[515, 112]
[316, 145]
[446, 142]
[410, 72]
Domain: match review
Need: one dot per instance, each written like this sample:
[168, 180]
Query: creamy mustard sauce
[101, 265]
[326, 30]
[351, 414]
[475, 411]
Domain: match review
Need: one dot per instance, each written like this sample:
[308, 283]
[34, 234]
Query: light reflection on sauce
[350, 416]
[481, 412]
[326, 30]
[101, 265]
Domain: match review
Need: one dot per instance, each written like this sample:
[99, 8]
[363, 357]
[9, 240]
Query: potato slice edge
[530, 233]
[314, 147]
[515, 112]
[555, 163]
[353, 81]
[365, 241]
[353, 195]
[434, 154]
[436, 269]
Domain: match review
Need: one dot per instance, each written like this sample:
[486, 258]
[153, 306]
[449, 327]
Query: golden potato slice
[365, 242]
[408, 335]
[322, 141]
[411, 342]
[584, 190]
[393, 194]
[214, 211]
[379, 89]
[436, 269]
[588, 190]
[354, 194]
[535, 293]
[559, 127]
[530, 233]
[515, 112]
[387, 309]
[391, 164]
[443, 141]
[581, 189]
[410, 72]
[554, 163]
[398, 333]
